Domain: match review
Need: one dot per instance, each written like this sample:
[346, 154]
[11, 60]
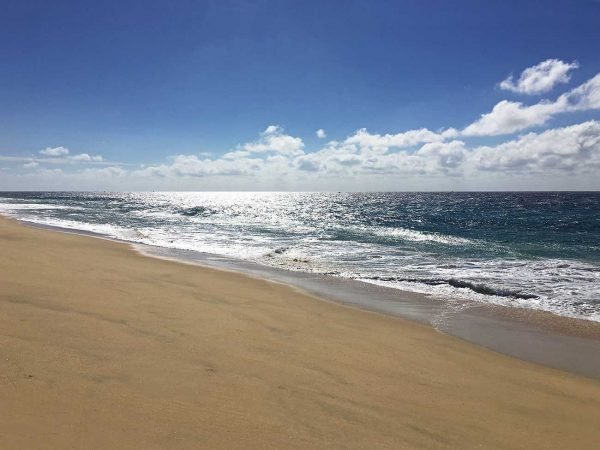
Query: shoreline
[103, 347]
[537, 336]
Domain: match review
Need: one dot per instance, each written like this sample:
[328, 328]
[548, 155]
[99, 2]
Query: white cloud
[541, 77]
[333, 159]
[271, 129]
[236, 154]
[554, 154]
[53, 172]
[445, 156]
[582, 98]
[574, 148]
[431, 159]
[321, 133]
[278, 160]
[84, 157]
[509, 117]
[57, 159]
[274, 140]
[109, 171]
[192, 166]
[362, 138]
[54, 151]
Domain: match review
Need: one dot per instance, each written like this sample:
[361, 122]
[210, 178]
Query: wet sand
[537, 336]
[103, 347]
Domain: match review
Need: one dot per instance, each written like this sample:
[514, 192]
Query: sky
[313, 95]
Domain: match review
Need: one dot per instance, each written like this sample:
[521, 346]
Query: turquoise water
[532, 250]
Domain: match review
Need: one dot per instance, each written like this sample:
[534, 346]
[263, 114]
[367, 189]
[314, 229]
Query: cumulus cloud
[54, 151]
[560, 152]
[274, 152]
[274, 140]
[84, 157]
[272, 129]
[321, 133]
[446, 156]
[582, 98]
[59, 156]
[574, 148]
[437, 158]
[571, 149]
[109, 171]
[510, 117]
[63, 152]
[362, 138]
[193, 166]
[280, 156]
[541, 77]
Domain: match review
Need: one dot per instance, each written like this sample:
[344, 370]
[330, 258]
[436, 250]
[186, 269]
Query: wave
[399, 236]
[479, 288]
[348, 241]
[386, 235]
[31, 206]
[197, 211]
[421, 236]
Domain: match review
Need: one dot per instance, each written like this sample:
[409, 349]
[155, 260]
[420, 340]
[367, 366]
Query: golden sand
[101, 347]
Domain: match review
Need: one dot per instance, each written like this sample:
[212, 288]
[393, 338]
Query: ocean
[530, 250]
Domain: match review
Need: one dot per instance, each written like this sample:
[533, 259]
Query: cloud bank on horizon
[448, 157]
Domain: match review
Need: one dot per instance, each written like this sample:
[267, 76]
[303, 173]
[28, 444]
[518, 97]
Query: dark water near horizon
[533, 250]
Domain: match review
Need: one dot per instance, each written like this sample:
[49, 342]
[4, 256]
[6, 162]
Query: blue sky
[142, 84]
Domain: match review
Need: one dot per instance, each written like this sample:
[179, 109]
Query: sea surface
[529, 250]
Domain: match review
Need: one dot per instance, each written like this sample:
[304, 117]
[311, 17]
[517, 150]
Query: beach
[103, 347]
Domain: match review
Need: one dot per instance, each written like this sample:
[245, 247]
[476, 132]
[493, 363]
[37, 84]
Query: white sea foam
[420, 236]
[298, 236]
[14, 207]
[450, 294]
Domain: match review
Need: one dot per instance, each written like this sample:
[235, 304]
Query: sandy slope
[103, 348]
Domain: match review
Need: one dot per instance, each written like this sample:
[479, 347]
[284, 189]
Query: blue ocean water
[531, 250]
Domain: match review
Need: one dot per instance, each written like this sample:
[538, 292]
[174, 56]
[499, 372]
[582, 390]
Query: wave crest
[479, 288]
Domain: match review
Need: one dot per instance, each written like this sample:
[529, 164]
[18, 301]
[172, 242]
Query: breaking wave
[535, 250]
[479, 288]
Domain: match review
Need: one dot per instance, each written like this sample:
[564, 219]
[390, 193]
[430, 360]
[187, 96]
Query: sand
[101, 347]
